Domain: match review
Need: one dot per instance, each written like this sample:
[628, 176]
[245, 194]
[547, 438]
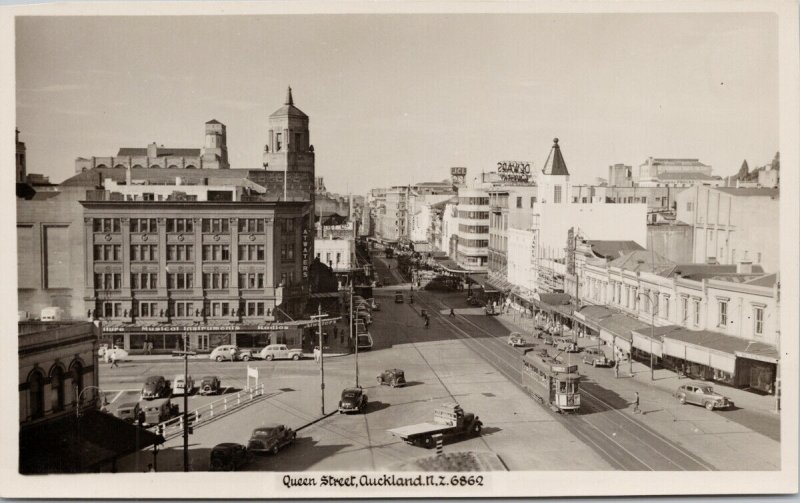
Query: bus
[551, 382]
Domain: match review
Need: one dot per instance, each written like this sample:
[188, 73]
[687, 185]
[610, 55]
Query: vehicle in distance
[392, 377]
[229, 457]
[179, 387]
[516, 340]
[449, 420]
[364, 341]
[353, 400]
[117, 352]
[492, 309]
[596, 357]
[230, 352]
[398, 298]
[155, 387]
[210, 385]
[567, 346]
[702, 394]
[280, 352]
[373, 305]
[128, 411]
[158, 411]
[270, 438]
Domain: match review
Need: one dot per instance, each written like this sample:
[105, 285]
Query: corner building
[221, 255]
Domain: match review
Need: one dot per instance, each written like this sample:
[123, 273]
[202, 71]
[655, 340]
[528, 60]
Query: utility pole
[352, 322]
[319, 317]
[185, 354]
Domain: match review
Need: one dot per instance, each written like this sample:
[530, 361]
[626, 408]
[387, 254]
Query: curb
[309, 356]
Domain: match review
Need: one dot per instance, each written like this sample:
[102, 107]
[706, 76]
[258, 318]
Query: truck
[449, 420]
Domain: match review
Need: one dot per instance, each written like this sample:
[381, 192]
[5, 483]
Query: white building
[338, 254]
[472, 249]
[668, 170]
[733, 224]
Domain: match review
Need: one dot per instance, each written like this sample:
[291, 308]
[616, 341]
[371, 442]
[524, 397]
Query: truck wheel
[476, 429]
[427, 442]
[275, 450]
[269, 358]
[296, 357]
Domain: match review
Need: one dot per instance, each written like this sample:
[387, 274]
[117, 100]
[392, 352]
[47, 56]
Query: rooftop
[288, 108]
[750, 191]
[677, 175]
[644, 261]
[160, 152]
[555, 165]
[613, 249]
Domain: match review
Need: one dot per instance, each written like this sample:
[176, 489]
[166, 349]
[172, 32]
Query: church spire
[289, 100]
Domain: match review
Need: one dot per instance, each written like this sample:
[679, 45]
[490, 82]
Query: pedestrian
[616, 368]
[113, 359]
[150, 467]
[427, 322]
[452, 313]
[636, 409]
[316, 354]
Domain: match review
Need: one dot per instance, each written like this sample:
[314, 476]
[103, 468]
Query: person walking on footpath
[113, 359]
[452, 313]
[636, 409]
[616, 368]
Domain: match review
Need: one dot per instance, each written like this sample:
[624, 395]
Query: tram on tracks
[551, 382]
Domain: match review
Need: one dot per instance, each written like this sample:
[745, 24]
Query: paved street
[465, 359]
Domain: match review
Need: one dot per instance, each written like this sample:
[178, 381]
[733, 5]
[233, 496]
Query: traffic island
[455, 462]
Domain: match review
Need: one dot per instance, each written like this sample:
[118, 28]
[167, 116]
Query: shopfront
[756, 372]
[650, 340]
[703, 354]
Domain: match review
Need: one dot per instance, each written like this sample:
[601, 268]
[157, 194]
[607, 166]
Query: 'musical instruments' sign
[514, 171]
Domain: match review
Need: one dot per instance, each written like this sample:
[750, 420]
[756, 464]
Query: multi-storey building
[655, 171]
[472, 247]
[510, 206]
[732, 224]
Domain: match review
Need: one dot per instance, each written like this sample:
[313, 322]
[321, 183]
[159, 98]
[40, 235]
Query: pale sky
[398, 99]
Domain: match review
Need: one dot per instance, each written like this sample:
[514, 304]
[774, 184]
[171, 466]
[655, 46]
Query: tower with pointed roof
[215, 148]
[554, 181]
[288, 142]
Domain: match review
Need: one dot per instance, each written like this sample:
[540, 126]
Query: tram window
[562, 387]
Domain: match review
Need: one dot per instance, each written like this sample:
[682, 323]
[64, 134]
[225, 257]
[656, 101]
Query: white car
[280, 352]
[119, 354]
[374, 305]
[178, 387]
[516, 340]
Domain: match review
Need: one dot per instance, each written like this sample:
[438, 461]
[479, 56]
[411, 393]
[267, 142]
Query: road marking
[115, 398]
[121, 390]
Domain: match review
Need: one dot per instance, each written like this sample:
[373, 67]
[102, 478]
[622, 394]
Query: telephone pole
[319, 318]
[185, 354]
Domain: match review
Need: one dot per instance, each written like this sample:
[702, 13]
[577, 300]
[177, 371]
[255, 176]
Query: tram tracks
[626, 443]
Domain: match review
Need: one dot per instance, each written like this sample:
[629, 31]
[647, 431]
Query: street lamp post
[185, 354]
[319, 317]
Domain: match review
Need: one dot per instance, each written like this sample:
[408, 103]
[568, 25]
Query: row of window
[211, 225]
[176, 281]
[474, 215]
[474, 243]
[475, 229]
[182, 309]
[475, 201]
[185, 253]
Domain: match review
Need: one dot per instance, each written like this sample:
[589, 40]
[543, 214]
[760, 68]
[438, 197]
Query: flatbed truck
[449, 420]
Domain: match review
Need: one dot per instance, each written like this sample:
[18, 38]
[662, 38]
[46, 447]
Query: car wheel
[682, 399]
[275, 450]
[709, 405]
[296, 357]
[246, 358]
[269, 358]
[219, 358]
[476, 429]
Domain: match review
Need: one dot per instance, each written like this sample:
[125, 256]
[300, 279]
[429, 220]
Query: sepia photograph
[370, 250]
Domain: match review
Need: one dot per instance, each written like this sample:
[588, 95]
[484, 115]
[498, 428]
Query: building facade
[472, 248]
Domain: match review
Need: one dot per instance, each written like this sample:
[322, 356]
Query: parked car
[210, 385]
[157, 411]
[231, 353]
[550, 340]
[128, 411]
[280, 352]
[567, 346]
[117, 352]
[229, 457]
[392, 377]
[516, 340]
[374, 305]
[364, 315]
[702, 394]
[271, 438]
[178, 386]
[492, 309]
[155, 387]
[398, 298]
[596, 357]
[353, 400]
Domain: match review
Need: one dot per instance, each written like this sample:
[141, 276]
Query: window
[684, 309]
[108, 281]
[287, 226]
[112, 309]
[216, 253]
[106, 225]
[696, 303]
[665, 312]
[145, 309]
[557, 194]
[287, 252]
[144, 281]
[180, 280]
[723, 313]
[216, 225]
[180, 225]
[689, 206]
[144, 253]
[36, 392]
[57, 388]
[184, 309]
[251, 252]
[255, 309]
[533, 201]
[278, 141]
[251, 225]
[220, 309]
[251, 280]
[644, 199]
[758, 321]
[109, 253]
[180, 253]
[144, 225]
[519, 201]
[215, 280]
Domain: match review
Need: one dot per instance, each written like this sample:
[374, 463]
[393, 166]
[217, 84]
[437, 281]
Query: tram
[551, 382]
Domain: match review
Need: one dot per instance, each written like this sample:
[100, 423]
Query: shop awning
[716, 350]
[75, 445]
[650, 340]
[422, 247]
[494, 284]
[616, 329]
[592, 315]
[451, 266]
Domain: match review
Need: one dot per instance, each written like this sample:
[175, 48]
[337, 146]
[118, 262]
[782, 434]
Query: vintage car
[230, 352]
[155, 387]
[702, 394]
[567, 345]
[210, 385]
[157, 411]
[353, 400]
[474, 301]
[596, 357]
[398, 298]
[549, 340]
[392, 377]
[229, 457]
[516, 340]
[280, 352]
[373, 305]
[178, 386]
[270, 438]
[363, 314]
[117, 352]
[492, 309]
[128, 411]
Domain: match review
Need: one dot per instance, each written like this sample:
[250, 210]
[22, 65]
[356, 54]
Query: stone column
[126, 256]
[233, 284]
[162, 257]
[269, 255]
[89, 254]
[197, 291]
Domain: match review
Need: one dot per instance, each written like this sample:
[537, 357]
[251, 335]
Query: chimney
[711, 260]
[177, 180]
[744, 267]
[152, 150]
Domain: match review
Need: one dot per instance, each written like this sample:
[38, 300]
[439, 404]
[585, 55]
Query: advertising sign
[514, 171]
